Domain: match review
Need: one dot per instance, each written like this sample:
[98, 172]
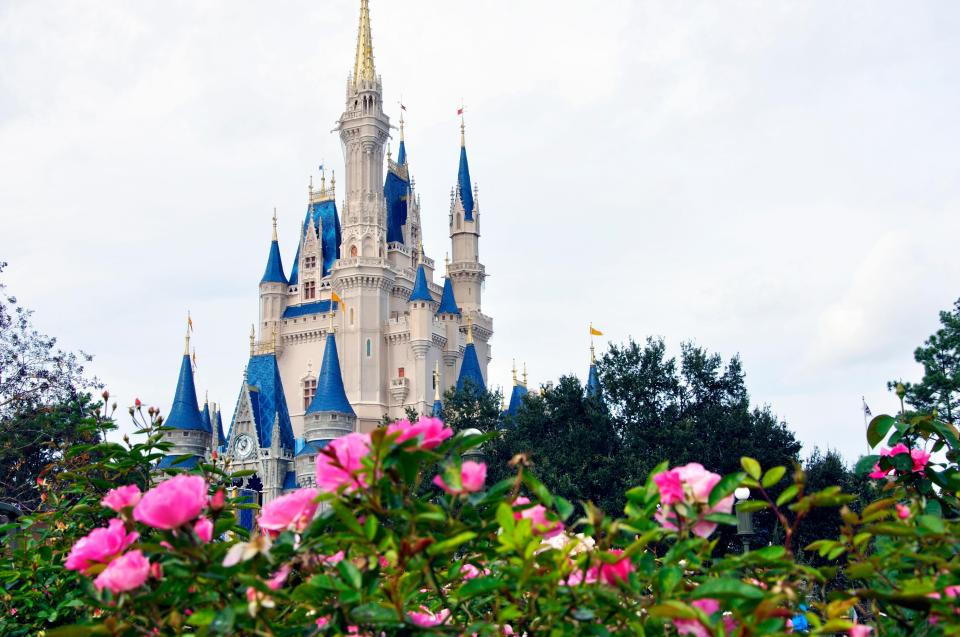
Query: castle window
[310, 289]
[401, 373]
[353, 251]
[310, 262]
[369, 348]
[309, 391]
[351, 316]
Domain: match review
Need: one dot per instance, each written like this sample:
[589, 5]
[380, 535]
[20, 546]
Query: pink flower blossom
[218, 500]
[204, 529]
[671, 488]
[469, 571]
[427, 619]
[125, 573]
[618, 572]
[100, 546]
[122, 497]
[332, 559]
[292, 512]
[338, 465]
[278, 579]
[431, 431]
[697, 483]
[542, 525]
[859, 630]
[322, 621]
[472, 477]
[903, 511]
[172, 503]
[694, 626]
[920, 459]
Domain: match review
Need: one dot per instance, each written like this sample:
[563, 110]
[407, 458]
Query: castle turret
[421, 307]
[328, 416]
[466, 270]
[186, 429]
[448, 314]
[593, 378]
[470, 371]
[273, 287]
[437, 411]
[517, 393]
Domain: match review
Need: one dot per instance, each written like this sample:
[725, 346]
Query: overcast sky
[774, 179]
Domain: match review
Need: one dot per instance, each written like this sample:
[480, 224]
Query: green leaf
[752, 506]
[865, 464]
[751, 466]
[479, 586]
[727, 485]
[727, 588]
[773, 476]
[769, 553]
[374, 614]
[538, 488]
[350, 573]
[878, 429]
[564, 508]
[932, 523]
[70, 631]
[722, 518]
[240, 474]
[452, 543]
[788, 494]
[672, 609]
[505, 517]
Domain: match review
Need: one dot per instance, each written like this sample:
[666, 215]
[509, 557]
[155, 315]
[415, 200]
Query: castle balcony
[399, 389]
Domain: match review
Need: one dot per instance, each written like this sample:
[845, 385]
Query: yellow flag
[335, 297]
[595, 332]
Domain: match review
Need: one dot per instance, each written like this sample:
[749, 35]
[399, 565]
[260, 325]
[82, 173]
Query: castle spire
[464, 188]
[330, 395]
[274, 271]
[363, 69]
[185, 412]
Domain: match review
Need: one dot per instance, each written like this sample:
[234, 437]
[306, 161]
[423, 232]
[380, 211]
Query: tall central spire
[363, 70]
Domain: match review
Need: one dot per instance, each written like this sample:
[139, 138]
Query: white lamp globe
[743, 493]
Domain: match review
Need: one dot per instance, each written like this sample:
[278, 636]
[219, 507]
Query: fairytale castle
[361, 300]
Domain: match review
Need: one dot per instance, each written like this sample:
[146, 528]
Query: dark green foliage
[939, 390]
[472, 408]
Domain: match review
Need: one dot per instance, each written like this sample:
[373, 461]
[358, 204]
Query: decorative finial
[401, 123]
[593, 355]
[469, 330]
[446, 263]
[436, 382]
[389, 153]
[206, 397]
[363, 69]
[463, 124]
[310, 187]
[524, 374]
[253, 339]
[420, 252]
[275, 224]
[514, 372]
[503, 402]
[186, 347]
[333, 182]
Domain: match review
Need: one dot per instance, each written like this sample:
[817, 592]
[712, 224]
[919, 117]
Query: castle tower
[329, 415]
[466, 271]
[448, 315]
[273, 287]
[189, 434]
[516, 394]
[437, 411]
[361, 277]
[421, 308]
[593, 378]
[470, 371]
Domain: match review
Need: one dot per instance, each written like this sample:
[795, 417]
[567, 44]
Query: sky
[777, 180]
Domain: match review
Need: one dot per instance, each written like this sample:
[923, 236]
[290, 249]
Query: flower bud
[106, 395]
[901, 391]
[217, 501]
[137, 403]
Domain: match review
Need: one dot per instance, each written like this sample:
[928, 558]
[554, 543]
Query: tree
[42, 399]
[472, 407]
[939, 389]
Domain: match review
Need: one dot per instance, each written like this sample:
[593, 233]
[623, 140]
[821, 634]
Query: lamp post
[744, 518]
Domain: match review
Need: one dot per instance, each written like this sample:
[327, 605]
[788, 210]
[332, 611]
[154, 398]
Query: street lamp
[744, 518]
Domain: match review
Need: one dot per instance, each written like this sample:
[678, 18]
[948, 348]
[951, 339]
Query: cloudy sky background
[774, 179]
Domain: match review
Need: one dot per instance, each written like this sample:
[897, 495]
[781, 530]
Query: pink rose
[332, 559]
[292, 512]
[903, 511]
[338, 464]
[671, 489]
[694, 626]
[469, 571]
[542, 525]
[122, 497]
[204, 529]
[920, 460]
[100, 546]
[919, 457]
[322, 621]
[618, 572]
[426, 619]
[697, 483]
[124, 573]
[472, 477]
[218, 500]
[277, 580]
[172, 503]
[859, 630]
[431, 431]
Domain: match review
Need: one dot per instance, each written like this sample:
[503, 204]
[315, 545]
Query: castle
[361, 299]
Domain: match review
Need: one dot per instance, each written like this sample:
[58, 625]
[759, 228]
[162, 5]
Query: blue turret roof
[205, 417]
[330, 396]
[185, 413]
[327, 223]
[267, 400]
[593, 381]
[516, 399]
[274, 272]
[463, 185]
[437, 409]
[218, 423]
[421, 291]
[178, 462]
[448, 303]
[470, 369]
[295, 272]
[402, 155]
[290, 481]
[396, 191]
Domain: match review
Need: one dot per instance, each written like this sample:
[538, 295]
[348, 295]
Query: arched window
[353, 251]
[309, 391]
[369, 348]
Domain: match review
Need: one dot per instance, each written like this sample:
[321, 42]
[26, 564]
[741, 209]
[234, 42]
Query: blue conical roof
[593, 381]
[448, 303]
[463, 185]
[402, 155]
[274, 272]
[421, 291]
[396, 191]
[185, 413]
[218, 423]
[267, 399]
[437, 409]
[326, 221]
[330, 396]
[295, 272]
[205, 417]
[516, 399]
[470, 370]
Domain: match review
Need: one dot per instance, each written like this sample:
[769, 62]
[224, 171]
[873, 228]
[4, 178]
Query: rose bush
[122, 551]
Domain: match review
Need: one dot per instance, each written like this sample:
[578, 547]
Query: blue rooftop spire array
[267, 400]
[330, 396]
[470, 369]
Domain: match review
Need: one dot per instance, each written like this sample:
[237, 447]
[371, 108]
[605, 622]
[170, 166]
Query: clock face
[244, 446]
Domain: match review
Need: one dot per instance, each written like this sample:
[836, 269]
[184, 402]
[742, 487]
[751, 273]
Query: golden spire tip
[275, 224]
